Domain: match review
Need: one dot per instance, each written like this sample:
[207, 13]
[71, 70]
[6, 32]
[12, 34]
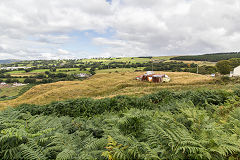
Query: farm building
[3, 84]
[151, 77]
[82, 75]
[235, 72]
[18, 84]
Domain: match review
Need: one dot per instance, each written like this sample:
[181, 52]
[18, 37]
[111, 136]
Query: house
[18, 84]
[235, 72]
[3, 84]
[82, 75]
[151, 77]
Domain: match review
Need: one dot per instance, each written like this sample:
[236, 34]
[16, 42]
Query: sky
[67, 29]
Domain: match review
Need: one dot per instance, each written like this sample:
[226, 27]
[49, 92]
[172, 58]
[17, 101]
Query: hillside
[209, 57]
[192, 124]
[103, 85]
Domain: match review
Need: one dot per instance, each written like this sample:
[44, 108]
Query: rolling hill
[103, 85]
[5, 61]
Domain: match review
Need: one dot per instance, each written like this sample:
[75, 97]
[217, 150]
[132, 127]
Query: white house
[82, 75]
[18, 84]
[3, 84]
[235, 72]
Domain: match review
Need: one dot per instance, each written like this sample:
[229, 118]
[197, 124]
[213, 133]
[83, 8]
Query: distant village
[3, 84]
[13, 68]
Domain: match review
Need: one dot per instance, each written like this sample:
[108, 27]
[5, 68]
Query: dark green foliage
[30, 80]
[225, 79]
[224, 67]
[209, 57]
[202, 124]
[88, 107]
[207, 69]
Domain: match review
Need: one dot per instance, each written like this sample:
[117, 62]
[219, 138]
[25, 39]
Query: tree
[28, 70]
[53, 69]
[40, 76]
[235, 62]
[30, 80]
[224, 66]
[8, 80]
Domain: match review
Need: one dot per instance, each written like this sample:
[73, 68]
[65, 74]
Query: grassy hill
[103, 85]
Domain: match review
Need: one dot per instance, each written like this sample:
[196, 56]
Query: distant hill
[5, 61]
[214, 57]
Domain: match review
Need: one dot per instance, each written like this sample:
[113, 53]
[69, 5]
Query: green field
[119, 70]
[9, 92]
[69, 71]
[39, 71]
[15, 72]
[127, 59]
[19, 79]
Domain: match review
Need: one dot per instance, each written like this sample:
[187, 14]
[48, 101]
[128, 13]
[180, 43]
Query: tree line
[214, 57]
[225, 66]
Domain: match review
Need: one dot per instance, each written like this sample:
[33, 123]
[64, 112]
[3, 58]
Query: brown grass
[104, 85]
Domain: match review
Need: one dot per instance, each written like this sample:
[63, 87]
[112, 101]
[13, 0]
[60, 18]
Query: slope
[103, 85]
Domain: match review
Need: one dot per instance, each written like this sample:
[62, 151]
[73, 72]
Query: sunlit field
[104, 85]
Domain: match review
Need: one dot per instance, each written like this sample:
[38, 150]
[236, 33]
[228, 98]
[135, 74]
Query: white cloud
[63, 52]
[173, 27]
[31, 29]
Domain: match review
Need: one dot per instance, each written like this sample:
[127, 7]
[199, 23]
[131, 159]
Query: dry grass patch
[103, 85]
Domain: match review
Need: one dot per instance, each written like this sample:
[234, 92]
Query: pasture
[10, 92]
[105, 85]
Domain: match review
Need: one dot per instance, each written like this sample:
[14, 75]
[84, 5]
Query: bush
[88, 107]
[30, 80]
[225, 79]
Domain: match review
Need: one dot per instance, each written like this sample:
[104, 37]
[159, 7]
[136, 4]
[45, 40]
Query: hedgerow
[88, 107]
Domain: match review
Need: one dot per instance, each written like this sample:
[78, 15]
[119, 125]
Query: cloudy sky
[53, 29]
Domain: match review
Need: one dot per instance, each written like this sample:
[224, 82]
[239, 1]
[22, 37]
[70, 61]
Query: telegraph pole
[152, 65]
[197, 68]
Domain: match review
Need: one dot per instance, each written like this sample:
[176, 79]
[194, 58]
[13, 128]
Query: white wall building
[235, 72]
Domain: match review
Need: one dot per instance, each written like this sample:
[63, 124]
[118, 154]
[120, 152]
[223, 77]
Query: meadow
[105, 85]
[9, 92]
